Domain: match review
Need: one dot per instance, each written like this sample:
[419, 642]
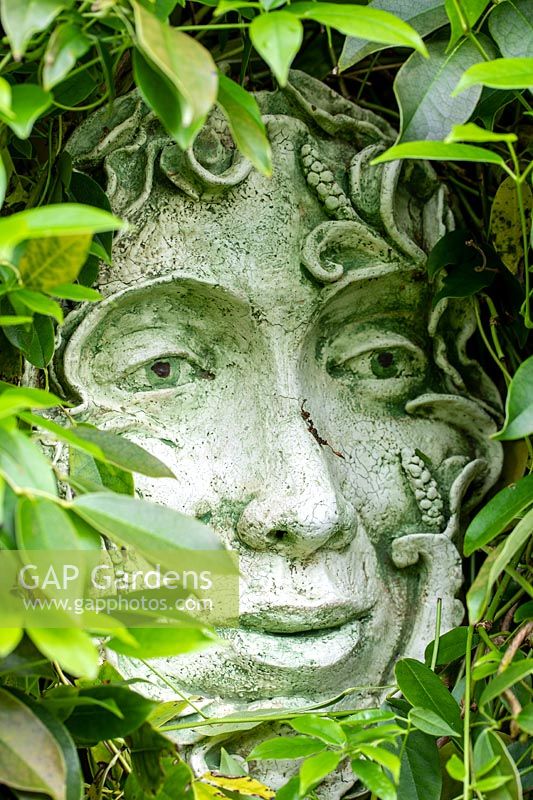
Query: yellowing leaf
[54, 260]
[505, 224]
[246, 786]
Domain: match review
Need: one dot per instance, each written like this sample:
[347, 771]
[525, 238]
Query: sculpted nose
[298, 509]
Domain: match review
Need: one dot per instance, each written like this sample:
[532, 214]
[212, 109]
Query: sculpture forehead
[247, 243]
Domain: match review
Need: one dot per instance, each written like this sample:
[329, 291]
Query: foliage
[460, 72]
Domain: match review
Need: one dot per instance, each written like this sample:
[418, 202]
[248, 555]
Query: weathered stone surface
[231, 301]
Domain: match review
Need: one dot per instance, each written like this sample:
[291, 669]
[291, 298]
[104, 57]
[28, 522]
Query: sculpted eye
[386, 363]
[164, 373]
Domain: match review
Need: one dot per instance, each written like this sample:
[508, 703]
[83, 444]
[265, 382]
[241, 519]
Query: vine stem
[466, 722]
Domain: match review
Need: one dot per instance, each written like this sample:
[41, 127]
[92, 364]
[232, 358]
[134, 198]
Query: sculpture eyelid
[385, 343]
[186, 355]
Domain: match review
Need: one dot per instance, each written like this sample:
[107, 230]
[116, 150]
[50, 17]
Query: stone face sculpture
[274, 342]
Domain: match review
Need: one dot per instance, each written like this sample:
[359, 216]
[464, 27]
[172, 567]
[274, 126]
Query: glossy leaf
[384, 757]
[452, 646]
[500, 73]
[162, 642]
[143, 525]
[66, 44]
[277, 37]
[90, 474]
[160, 95]
[488, 745]
[183, 60]
[498, 513]
[511, 27]
[288, 747]
[76, 292]
[421, 687]
[25, 464]
[470, 11]
[89, 724]
[479, 593]
[315, 769]
[423, 90]
[28, 102]
[516, 671]
[420, 773]
[73, 779]
[30, 757]
[21, 20]
[70, 647]
[63, 219]
[519, 404]
[14, 399]
[505, 222]
[425, 16]
[374, 779]
[327, 730]
[246, 126]
[431, 723]
[9, 639]
[51, 261]
[525, 719]
[362, 21]
[43, 525]
[37, 302]
[440, 151]
[473, 133]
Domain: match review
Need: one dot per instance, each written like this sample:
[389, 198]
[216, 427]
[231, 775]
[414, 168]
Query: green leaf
[519, 404]
[161, 96]
[498, 513]
[431, 723]
[40, 348]
[440, 151]
[228, 765]
[9, 639]
[25, 464]
[66, 44]
[61, 219]
[15, 399]
[245, 123]
[76, 292]
[479, 593]
[384, 757]
[525, 719]
[145, 526]
[374, 779]
[73, 783]
[327, 730]
[162, 642]
[286, 747]
[92, 475]
[71, 648]
[39, 303]
[43, 525]
[452, 646]
[315, 769]
[471, 11]
[4, 180]
[421, 687]
[30, 756]
[362, 21]
[515, 672]
[505, 222]
[6, 321]
[420, 773]
[117, 450]
[500, 73]
[425, 16]
[488, 745]
[90, 724]
[184, 61]
[21, 20]
[473, 133]
[511, 27]
[51, 261]
[455, 767]
[423, 86]
[277, 37]
[28, 102]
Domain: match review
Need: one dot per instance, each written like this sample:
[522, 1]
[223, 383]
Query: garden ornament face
[273, 341]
